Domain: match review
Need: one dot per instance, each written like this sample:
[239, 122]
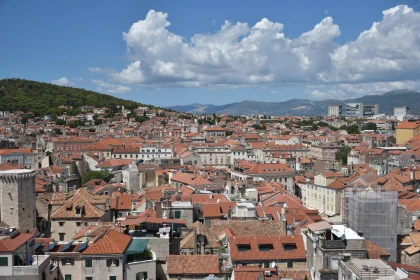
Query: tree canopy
[342, 154]
[44, 99]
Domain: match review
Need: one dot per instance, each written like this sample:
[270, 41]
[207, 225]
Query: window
[88, 263]
[78, 224]
[141, 275]
[4, 261]
[78, 211]
[67, 261]
[334, 263]
[289, 264]
[177, 214]
[61, 236]
[112, 262]
[289, 247]
[112, 277]
[67, 277]
[265, 247]
[243, 248]
[89, 278]
[61, 224]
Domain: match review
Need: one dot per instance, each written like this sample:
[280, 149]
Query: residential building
[324, 194]
[215, 132]
[285, 251]
[22, 156]
[325, 243]
[19, 258]
[149, 152]
[372, 269]
[407, 130]
[72, 212]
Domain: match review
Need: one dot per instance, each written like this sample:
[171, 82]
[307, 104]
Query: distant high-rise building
[400, 112]
[354, 110]
[335, 111]
[370, 110]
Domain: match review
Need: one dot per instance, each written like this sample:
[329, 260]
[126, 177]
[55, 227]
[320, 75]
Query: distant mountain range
[304, 107]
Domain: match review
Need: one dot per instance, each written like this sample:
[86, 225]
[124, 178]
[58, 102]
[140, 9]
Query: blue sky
[279, 49]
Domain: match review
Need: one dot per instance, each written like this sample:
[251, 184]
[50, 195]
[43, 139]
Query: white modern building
[335, 110]
[354, 110]
[151, 152]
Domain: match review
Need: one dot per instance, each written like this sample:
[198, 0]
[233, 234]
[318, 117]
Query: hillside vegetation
[44, 98]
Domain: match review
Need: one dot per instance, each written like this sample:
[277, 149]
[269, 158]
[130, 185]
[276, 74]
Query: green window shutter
[72, 261]
[112, 277]
[145, 275]
[177, 214]
[108, 263]
[4, 261]
[88, 263]
[117, 262]
[63, 261]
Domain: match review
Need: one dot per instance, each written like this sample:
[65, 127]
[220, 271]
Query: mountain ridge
[299, 107]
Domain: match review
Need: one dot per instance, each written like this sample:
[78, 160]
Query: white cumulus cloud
[384, 57]
[110, 88]
[61, 82]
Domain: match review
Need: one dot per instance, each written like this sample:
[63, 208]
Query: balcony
[39, 264]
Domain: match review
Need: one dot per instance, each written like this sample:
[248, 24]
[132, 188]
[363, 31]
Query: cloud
[61, 82]
[342, 91]
[95, 69]
[239, 55]
[110, 88]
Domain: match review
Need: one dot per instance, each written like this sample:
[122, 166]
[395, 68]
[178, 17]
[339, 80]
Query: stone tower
[17, 198]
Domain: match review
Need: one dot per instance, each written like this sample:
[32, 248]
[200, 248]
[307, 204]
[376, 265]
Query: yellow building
[407, 130]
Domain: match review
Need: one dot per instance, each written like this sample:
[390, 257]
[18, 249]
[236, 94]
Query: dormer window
[289, 246]
[243, 247]
[265, 247]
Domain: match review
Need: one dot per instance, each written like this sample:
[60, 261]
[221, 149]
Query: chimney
[158, 209]
[195, 242]
[346, 257]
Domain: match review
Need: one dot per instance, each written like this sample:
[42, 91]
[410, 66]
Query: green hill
[44, 98]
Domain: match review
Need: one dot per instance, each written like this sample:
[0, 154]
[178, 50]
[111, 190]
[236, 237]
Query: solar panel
[37, 246]
[66, 247]
[50, 247]
[82, 247]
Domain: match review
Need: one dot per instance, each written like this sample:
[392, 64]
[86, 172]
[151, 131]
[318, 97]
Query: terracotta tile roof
[81, 199]
[113, 162]
[374, 251]
[276, 251]
[251, 227]
[93, 230]
[211, 239]
[190, 179]
[408, 125]
[112, 242]
[10, 166]
[252, 272]
[11, 244]
[13, 151]
[192, 264]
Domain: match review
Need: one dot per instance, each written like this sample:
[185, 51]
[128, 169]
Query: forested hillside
[43, 98]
